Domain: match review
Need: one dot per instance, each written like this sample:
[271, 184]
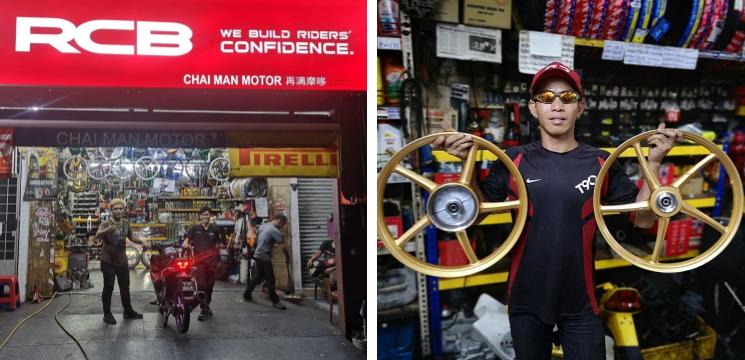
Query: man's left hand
[661, 143]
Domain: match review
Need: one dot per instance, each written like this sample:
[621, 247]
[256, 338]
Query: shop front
[237, 106]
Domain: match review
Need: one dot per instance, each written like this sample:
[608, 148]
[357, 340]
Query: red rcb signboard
[235, 44]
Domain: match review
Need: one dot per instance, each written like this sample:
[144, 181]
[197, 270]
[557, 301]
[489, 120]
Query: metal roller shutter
[316, 203]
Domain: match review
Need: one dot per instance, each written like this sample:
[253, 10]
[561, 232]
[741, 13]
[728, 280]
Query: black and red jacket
[552, 270]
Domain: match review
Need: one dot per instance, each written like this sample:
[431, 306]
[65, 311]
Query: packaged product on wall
[389, 20]
[390, 140]
[392, 72]
[381, 93]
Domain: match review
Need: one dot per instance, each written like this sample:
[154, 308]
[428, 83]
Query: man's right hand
[456, 145]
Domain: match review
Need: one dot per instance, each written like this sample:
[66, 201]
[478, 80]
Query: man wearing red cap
[551, 278]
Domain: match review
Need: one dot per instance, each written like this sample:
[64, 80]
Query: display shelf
[389, 43]
[409, 247]
[682, 150]
[389, 113]
[501, 277]
[83, 221]
[184, 210]
[189, 198]
[505, 218]
[157, 238]
[709, 54]
[147, 225]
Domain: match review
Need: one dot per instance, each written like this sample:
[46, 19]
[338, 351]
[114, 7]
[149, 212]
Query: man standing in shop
[551, 279]
[114, 233]
[269, 237]
[204, 239]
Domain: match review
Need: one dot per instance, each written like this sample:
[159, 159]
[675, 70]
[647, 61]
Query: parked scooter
[175, 287]
[617, 307]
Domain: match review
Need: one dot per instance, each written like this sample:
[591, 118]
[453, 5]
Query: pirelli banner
[284, 162]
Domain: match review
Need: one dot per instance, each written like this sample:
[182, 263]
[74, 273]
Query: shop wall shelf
[184, 210]
[409, 247]
[189, 198]
[147, 225]
[162, 238]
[501, 277]
[711, 54]
[389, 113]
[682, 150]
[505, 218]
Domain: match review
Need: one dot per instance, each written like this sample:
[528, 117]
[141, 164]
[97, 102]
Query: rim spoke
[415, 229]
[491, 207]
[623, 208]
[696, 168]
[692, 211]
[468, 166]
[648, 176]
[466, 245]
[661, 232]
[420, 180]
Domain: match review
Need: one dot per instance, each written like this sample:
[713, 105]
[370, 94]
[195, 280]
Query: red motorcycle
[175, 287]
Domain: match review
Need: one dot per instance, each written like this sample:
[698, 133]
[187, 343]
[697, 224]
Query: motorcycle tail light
[183, 264]
[624, 300]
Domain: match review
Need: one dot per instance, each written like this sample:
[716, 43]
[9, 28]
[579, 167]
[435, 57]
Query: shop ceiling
[246, 117]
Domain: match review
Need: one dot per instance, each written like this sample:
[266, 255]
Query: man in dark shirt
[269, 237]
[203, 238]
[322, 261]
[551, 278]
[114, 233]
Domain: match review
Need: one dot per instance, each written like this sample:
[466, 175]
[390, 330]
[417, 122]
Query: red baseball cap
[558, 70]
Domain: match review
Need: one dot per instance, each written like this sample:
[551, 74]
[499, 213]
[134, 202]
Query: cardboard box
[488, 13]
[447, 11]
[692, 187]
[435, 118]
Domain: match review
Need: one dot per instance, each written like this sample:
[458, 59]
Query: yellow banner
[300, 162]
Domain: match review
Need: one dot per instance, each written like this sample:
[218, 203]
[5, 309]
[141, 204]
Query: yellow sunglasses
[566, 97]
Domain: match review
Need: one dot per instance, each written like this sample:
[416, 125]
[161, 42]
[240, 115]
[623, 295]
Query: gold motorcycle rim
[463, 189]
[666, 202]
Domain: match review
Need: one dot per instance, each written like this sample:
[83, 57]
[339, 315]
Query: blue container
[396, 340]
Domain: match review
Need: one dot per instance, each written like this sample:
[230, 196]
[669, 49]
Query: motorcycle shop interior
[64, 166]
[68, 190]
[469, 63]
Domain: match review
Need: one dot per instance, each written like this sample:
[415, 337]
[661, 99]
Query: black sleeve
[620, 189]
[190, 233]
[496, 186]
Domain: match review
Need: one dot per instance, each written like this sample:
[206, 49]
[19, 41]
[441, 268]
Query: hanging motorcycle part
[56, 318]
[666, 202]
[146, 168]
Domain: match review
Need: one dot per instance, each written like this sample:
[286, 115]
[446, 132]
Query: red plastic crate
[451, 253]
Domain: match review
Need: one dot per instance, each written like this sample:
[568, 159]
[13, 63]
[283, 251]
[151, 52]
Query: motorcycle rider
[551, 279]
[204, 238]
[113, 233]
